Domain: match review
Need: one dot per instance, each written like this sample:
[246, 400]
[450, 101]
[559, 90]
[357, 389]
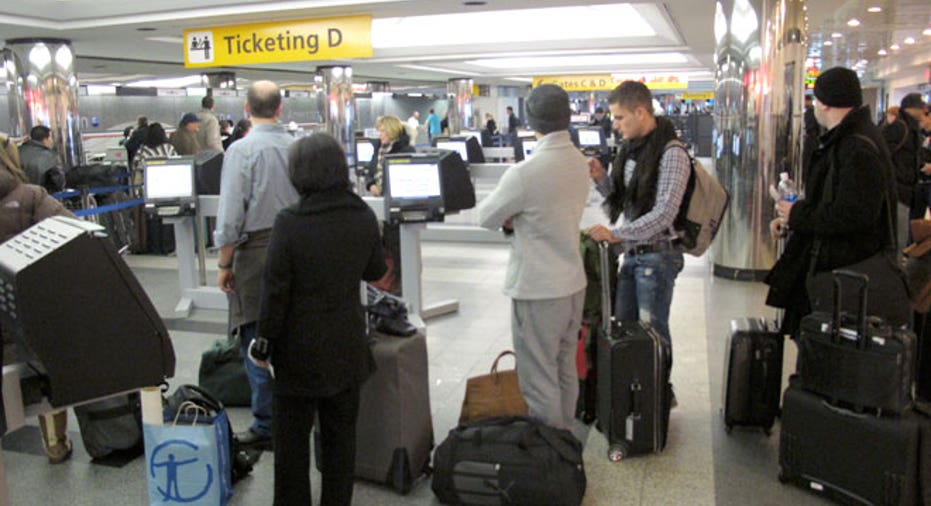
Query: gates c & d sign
[286, 41]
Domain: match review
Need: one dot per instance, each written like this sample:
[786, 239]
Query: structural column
[340, 108]
[459, 92]
[759, 86]
[43, 90]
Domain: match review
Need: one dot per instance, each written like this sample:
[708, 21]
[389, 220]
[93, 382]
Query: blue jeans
[260, 380]
[644, 289]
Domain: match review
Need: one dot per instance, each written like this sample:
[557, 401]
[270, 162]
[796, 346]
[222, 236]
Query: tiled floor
[701, 466]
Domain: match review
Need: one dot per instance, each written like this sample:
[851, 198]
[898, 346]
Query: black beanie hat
[548, 109]
[913, 101]
[839, 87]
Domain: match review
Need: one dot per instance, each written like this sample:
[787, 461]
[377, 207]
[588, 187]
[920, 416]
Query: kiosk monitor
[365, 150]
[523, 147]
[457, 145]
[169, 180]
[412, 188]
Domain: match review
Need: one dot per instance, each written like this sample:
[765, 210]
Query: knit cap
[839, 87]
[548, 109]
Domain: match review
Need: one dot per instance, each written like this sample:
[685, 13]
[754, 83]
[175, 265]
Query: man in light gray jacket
[540, 201]
[208, 135]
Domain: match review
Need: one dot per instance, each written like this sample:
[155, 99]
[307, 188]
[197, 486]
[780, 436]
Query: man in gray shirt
[254, 186]
[541, 200]
[40, 162]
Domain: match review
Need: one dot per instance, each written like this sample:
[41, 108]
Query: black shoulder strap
[901, 143]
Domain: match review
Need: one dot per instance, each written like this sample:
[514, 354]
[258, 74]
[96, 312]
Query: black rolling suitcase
[855, 360]
[852, 458]
[111, 425]
[753, 374]
[633, 382]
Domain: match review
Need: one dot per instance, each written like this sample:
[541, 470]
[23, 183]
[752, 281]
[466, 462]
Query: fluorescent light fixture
[518, 25]
[926, 31]
[171, 82]
[168, 40]
[519, 79]
[854, 22]
[882, 52]
[432, 69]
[744, 20]
[874, 9]
[909, 40]
[590, 60]
[99, 89]
[894, 47]
[836, 35]
[828, 43]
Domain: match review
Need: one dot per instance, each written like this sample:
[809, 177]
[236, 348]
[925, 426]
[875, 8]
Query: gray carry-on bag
[394, 430]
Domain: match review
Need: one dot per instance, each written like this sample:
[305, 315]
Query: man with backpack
[646, 186]
[904, 138]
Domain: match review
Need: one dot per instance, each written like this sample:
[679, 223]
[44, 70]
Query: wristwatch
[225, 266]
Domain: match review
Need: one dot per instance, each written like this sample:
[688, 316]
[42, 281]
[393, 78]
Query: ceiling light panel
[525, 25]
[575, 61]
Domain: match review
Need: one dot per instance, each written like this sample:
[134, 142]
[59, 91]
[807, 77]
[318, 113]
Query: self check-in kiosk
[169, 188]
[523, 147]
[591, 140]
[80, 316]
[468, 147]
[413, 192]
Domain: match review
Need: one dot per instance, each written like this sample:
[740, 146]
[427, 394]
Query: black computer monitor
[469, 147]
[457, 145]
[413, 189]
[523, 147]
[169, 180]
[208, 167]
[456, 180]
[364, 151]
[591, 137]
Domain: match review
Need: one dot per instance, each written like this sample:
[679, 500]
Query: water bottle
[787, 189]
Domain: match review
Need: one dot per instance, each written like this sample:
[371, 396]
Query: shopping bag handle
[186, 407]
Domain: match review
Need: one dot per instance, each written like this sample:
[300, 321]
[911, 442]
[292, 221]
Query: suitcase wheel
[616, 453]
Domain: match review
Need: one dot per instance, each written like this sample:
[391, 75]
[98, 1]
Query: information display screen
[529, 147]
[171, 179]
[414, 180]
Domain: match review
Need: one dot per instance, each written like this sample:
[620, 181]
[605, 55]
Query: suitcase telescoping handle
[605, 288]
[862, 281]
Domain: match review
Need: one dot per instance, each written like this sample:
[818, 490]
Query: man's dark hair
[264, 101]
[509, 108]
[630, 95]
[207, 102]
[599, 110]
[141, 121]
[155, 135]
[39, 133]
[318, 163]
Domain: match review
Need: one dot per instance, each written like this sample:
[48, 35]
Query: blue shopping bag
[188, 460]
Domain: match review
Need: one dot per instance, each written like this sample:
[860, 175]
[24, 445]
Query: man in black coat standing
[904, 138]
[848, 191]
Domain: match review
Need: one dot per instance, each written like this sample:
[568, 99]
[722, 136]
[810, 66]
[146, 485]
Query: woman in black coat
[313, 320]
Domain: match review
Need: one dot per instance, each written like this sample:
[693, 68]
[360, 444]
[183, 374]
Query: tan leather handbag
[493, 394]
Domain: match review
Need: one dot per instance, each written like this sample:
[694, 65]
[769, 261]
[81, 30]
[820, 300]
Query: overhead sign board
[285, 41]
[591, 82]
[697, 95]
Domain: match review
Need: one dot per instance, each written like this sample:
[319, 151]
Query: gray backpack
[702, 210]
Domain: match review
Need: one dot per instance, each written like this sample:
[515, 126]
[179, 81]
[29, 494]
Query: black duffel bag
[95, 175]
[509, 460]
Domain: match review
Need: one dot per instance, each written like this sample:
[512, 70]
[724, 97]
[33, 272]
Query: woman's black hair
[318, 163]
[155, 135]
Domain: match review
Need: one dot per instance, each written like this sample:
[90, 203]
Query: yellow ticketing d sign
[286, 41]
